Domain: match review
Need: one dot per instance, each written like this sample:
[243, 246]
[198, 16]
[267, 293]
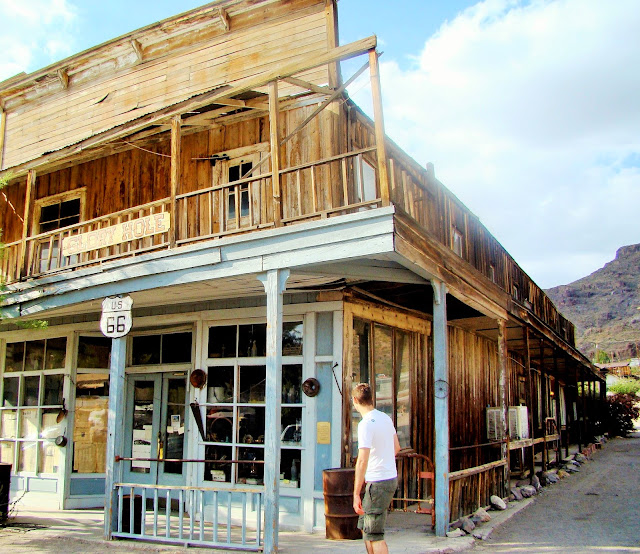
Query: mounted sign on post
[116, 316]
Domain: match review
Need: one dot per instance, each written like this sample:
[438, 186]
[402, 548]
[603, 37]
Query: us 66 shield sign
[116, 316]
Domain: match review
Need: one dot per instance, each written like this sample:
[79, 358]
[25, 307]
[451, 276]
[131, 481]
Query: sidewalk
[79, 531]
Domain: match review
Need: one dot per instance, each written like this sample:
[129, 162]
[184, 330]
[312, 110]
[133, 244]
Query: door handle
[160, 452]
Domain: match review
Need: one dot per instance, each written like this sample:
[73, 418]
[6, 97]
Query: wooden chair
[416, 477]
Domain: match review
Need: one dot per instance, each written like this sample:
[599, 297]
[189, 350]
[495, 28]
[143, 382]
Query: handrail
[307, 165]
[454, 475]
[97, 219]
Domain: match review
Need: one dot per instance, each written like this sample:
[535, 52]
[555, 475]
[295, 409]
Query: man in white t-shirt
[377, 448]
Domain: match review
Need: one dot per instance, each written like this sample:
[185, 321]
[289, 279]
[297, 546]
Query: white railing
[176, 514]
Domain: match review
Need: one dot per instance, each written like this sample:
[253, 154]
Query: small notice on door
[323, 432]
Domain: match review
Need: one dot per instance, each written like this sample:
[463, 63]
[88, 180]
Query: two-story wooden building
[278, 248]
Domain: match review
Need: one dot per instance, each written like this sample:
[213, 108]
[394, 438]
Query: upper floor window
[492, 272]
[51, 213]
[60, 214]
[515, 292]
[457, 241]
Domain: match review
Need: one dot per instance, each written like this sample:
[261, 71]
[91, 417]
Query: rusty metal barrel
[340, 519]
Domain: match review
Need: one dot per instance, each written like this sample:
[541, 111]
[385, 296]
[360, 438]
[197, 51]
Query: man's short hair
[362, 393]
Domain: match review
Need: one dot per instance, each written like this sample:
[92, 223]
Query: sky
[529, 110]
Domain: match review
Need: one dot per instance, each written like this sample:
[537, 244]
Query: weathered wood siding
[120, 89]
[135, 177]
[474, 377]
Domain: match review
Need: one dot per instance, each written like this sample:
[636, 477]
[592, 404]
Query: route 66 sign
[116, 316]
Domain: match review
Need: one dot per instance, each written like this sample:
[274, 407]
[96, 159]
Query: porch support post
[441, 406]
[381, 149]
[274, 282]
[176, 146]
[556, 397]
[274, 137]
[502, 362]
[527, 351]
[115, 434]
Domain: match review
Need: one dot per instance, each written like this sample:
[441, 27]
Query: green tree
[601, 357]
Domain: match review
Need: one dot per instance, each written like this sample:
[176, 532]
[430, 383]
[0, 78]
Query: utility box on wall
[518, 423]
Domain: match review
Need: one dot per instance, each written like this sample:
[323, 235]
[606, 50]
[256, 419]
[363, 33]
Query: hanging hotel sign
[116, 234]
[116, 316]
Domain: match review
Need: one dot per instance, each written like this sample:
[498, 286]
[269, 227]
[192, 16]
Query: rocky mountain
[605, 306]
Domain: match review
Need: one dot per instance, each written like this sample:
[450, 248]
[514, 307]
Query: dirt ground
[595, 510]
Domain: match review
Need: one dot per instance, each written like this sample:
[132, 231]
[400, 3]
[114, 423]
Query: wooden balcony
[332, 186]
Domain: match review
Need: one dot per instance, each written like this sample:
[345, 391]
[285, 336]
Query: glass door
[155, 429]
[173, 429]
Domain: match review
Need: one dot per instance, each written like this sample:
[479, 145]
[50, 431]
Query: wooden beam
[26, 221]
[307, 86]
[383, 173]
[224, 18]
[274, 135]
[115, 433]
[176, 124]
[137, 48]
[441, 406]
[3, 126]
[274, 282]
[63, 76]
[210, 97]
[333, 40]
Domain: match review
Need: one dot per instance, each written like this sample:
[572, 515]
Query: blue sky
[529, 110]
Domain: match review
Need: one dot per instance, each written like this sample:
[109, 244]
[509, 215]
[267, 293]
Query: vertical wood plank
[274, 283]
[115, 436]
[381, 149]
[441, 405]
[176, 124]
[274, 137]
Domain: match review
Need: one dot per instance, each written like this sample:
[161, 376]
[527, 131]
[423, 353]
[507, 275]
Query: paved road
[596, 510]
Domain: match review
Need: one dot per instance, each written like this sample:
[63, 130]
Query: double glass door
[155, 429]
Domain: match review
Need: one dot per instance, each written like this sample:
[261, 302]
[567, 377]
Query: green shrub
[625, 386]
[622, 410]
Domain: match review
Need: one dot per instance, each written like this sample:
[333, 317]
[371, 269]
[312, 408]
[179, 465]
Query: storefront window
[32, 399]
[235, 410]
[381, 356]
[167, 348]
[92, 405]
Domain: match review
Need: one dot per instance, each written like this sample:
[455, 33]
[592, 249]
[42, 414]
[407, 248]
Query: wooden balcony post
[176, 127]
[379, 127]
[23, 267]
[274, 137]
[441, 406]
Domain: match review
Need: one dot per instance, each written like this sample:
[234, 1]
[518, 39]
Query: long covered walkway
[595, 510]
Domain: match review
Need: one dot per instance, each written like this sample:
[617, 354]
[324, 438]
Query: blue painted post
[441, 404]
[115, 434]
[274, 283]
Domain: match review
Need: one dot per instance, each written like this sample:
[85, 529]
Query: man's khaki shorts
[377, 497]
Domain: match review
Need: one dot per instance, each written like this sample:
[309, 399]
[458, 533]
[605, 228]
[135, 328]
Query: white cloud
[34, 34]
[530, 113]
